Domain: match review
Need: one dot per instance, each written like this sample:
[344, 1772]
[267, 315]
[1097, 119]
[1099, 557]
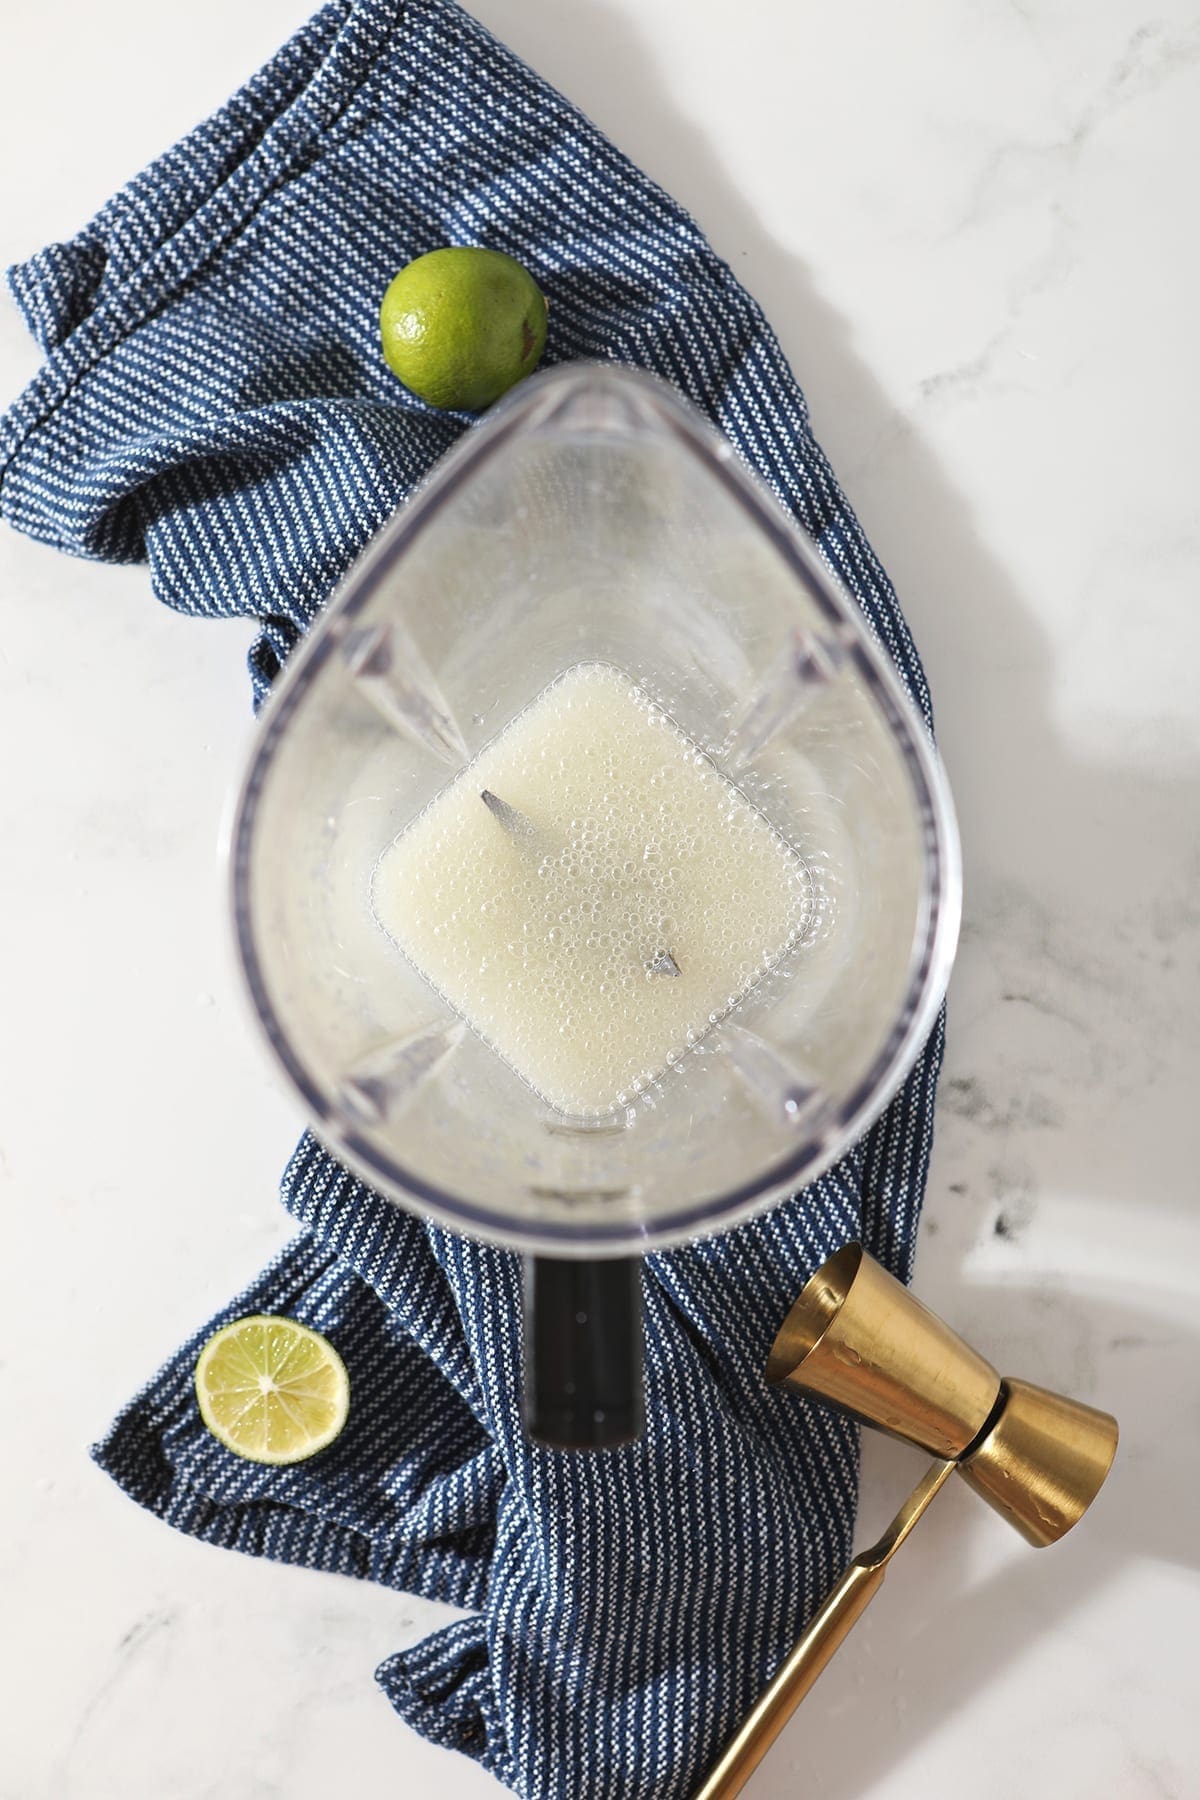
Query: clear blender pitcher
[593, 519]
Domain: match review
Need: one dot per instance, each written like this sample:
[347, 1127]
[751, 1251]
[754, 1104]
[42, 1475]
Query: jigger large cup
[593, 517]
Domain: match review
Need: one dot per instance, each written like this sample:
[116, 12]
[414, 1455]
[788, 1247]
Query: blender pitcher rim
[935, 933]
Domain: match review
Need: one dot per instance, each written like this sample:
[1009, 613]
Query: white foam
[543, 941]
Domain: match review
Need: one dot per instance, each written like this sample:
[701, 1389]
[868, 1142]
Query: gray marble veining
[972, 229]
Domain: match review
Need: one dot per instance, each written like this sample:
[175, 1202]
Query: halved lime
[272, 1390]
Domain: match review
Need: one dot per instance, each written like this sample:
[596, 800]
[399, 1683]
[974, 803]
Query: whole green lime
[462, 326]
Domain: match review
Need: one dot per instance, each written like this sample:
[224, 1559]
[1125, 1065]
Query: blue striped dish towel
[213, 402]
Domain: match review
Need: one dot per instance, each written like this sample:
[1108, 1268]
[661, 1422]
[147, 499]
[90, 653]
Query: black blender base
[584, 1385]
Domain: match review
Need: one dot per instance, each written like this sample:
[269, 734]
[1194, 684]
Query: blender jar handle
[583, 1352]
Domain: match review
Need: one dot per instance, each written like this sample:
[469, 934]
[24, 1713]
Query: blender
[592, 520]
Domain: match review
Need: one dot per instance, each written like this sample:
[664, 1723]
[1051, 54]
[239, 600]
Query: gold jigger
[857, 1339]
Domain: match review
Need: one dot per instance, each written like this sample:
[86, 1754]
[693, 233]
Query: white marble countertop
[973, 230]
